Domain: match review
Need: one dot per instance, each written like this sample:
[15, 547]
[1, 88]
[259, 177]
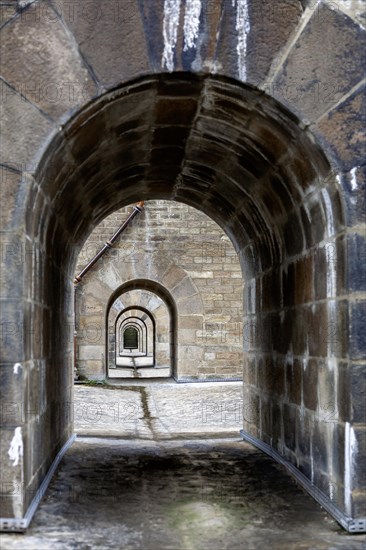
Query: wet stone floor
[186, 494]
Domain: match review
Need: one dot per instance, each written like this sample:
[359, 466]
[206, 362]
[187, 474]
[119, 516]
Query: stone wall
[185, 251]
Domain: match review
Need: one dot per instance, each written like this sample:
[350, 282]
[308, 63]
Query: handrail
[108, 244]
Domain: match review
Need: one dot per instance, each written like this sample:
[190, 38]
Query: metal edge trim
[21, 524]
[349, 524]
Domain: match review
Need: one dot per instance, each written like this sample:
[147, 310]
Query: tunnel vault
[239, 156]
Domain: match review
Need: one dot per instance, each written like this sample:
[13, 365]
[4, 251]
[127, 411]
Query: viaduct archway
[266, 146]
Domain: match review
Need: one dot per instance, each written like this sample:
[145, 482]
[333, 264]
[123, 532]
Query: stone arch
[130, 313]
[133, 310]
[263, 179]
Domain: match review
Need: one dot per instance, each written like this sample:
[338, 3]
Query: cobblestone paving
[183, 494]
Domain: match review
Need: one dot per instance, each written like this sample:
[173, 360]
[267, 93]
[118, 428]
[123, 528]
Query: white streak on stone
[253, 296]
[305, 359]
[331, 250]
[332, 366]
[290, 356]
[170, 32]
[16, 447]
[17, 368]
[331, 271]
[329, 211]
[212, 66]
[243, 28]
[350, 451]
[24, 3]
[331, 276]
[191, 23]
[353, 179]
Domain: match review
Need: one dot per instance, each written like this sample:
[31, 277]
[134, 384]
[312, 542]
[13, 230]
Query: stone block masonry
[176, 245]
[248, 110]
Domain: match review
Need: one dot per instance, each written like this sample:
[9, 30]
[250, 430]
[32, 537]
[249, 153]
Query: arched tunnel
[259, 170]
[237, 155]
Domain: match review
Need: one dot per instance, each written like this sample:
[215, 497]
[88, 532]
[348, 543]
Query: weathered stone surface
[354, 9]
[271, 291]
[357, 387]
[9, 182]
[190, 322]
[356, 272]
[7, 12]
[310, 384]
[11, 503]
[343, 130]
[43, 64]
[205, 54]
[23, 129]
[12, 331]
[320, 273]
[357, 329]
[294, 383]
[12, 259]
[354, 185]
[110, 36]
[152, 18]
[251, 411]
[360, 470]
[343, 391]
[289, 285]
[293, 235]
[249, 370]
[304, 431]
[289, 423]
[266, 34]
[314, 79]
[271, 26]
[326, 375]
[13, 393]
[226, 55]
[320, 451]
[317, 327]
[185, 289]
[304, 270]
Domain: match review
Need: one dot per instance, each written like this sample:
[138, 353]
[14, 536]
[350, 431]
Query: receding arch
[131, 337]
[148, 336]
[159, 290]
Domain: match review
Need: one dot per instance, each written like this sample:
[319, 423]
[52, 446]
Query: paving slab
[178, 495]
[160, 410]
[151, 470]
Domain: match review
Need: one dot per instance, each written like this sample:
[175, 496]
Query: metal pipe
[136, 209]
